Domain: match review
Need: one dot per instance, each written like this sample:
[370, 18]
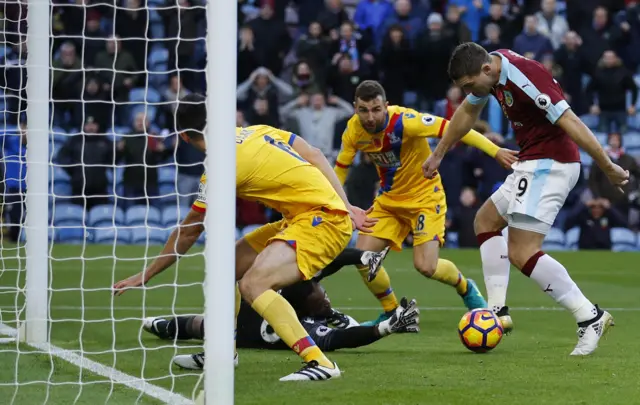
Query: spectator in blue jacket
[472, 13]
[371, 14]
[530, 43]
[404, 17]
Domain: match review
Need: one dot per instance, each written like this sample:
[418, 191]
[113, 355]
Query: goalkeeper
[312, 306]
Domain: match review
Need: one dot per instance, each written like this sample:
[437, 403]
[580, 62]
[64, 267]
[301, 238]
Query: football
[480, 330]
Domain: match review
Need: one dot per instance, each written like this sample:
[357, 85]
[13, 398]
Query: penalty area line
[116, 377]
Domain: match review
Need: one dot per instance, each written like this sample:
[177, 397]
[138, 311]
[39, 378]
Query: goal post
[220, 219]
[83, 230]
[37, 195]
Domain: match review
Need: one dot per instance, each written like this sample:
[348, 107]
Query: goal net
[119, 181]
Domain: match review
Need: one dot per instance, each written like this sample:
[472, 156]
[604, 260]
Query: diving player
[317, 316]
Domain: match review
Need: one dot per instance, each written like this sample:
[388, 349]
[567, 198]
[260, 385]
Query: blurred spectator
[362, 183]
[371, 14]
[13, 76]
[240, 119]
[396, 64]
[141, 152]
[595, 221]
[96, 102]
[333, 16]
[445, 108]
[599, 36]
[404, 17]
[181, 18]
[486, 171]
[463, 218]
[117, 69]
[345, 77]
[351, 42]
[454, 28]
[628, 22]
[14, 163]
[132, 23]
[86, 158]
[66, 83]
[262, 113]
[609, 84]
[262, 83]
[92, 42]
[530, 43]
[551, 24]
[434, 48]
[172, 94]
[315, 49]
[472, 13]
[249, 56]
[271, 37]
[304, 80]
[497, 17]
[571, 58]
[317, 121]
[493, 40]
[600, 186]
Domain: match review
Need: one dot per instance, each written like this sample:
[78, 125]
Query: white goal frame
[219, 282]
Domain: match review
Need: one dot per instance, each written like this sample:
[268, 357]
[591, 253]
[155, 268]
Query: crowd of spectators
[118, 69]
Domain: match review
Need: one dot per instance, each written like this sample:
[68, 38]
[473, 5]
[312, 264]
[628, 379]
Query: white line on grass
[117, 377]
[178, 309]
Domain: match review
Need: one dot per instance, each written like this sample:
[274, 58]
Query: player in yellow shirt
[394, 139]
[282, 171]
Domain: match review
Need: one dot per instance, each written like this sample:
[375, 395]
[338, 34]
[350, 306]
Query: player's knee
[487, 219]
[426, 266]
[253, 284]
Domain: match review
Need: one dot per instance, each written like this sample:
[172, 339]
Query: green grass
[531, 366]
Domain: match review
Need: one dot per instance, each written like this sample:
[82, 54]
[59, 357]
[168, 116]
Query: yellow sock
[447, 273]
[380, 287]
[284, 321]
[238, 300]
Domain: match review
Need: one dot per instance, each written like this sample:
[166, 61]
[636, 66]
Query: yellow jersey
[270, 172]
[399, 151]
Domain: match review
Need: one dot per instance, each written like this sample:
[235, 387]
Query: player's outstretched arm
[317, 158]
[179, 242]
[506, 157]
[461, 123]
[583, 136]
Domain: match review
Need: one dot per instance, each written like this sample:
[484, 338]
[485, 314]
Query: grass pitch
[532, 366]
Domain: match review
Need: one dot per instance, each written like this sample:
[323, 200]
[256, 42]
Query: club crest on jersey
[543, 101]
[428, 120]
[393, 139]
[508, 98]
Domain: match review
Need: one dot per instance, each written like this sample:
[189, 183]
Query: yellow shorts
[318, 237]
[396, 219]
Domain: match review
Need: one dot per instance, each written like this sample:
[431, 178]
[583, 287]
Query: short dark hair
[467, 60]
[370, 89]
[191, 115]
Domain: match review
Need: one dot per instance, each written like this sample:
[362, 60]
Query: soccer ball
[480, 330]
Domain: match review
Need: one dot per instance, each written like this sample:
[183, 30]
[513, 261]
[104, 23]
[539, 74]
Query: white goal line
[117, 377]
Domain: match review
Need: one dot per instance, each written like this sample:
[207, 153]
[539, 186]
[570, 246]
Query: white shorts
[533, 194]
